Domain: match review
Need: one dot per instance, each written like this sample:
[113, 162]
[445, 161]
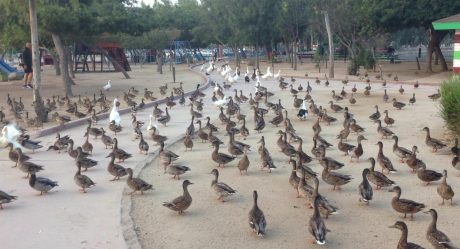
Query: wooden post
[174, 74]
[418, 63]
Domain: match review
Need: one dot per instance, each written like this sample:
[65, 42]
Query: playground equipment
[11, 72]
[85, 55]
[182, 52]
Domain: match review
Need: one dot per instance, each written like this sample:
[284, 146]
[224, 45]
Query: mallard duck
[16, 155]
[188, 142]
[427, 176]
[244, 162]
[401, 89]
[96, 132]
[256, 217]
[376, 115]
[106, 140]
[114, 169]
[412, 100]
[175, 169]
[403, 244]
[6, 198]
[383, 131]
[143, 145]
[358, 151]
[377, 178]
[335, 107]
[352, 99]
[336, 97]
[326, 118]
[82, 181]
[398, 105]
[181, 203]
[120, 154]
[164, 119]
[345, 147]
[321, 140]
[278, 119]
[385, 96]
[456, 162]
[445, 190]
[303, 157]
[413, 162]
[167, 155]
[365, 189]
[384, 161]
[266, 159]
[137, 184]
[401, 152]
[434, 143]
[74, 152]
[325, 208]
[260, 123]
[344, 132]
[243, 130]
[87, 146]
[335, 179]
[355, 127]
[455, 149]
[437, 239]
[83, 160]
[41, 184]
[156, 137]
[293, 178]
[114, 127]
[221, 189]
[328, 162]
[29, 144]
[389, 121]
[201, 133]
[435, 96]
[316, 227]
[220, 158]
[29, 168]
[405, 206]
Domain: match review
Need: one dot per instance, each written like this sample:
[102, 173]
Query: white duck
[303, 112]
[10, 134]
[210, 68]
[230, 78]
[268, 74]
[108, 86]
[277, 75]
[114, 115]
[221, 102]
[152, 127]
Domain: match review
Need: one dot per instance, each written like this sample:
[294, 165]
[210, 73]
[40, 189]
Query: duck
[398, 105]
[188, 142]
[412, 100]
[233, 149]
[175, 170]
[106, 140]
[82, 181]
[143, 145]
[256, 217]
[96, 132]
[384, 161]
[345, 147]
[73, 152]
[84, 161]
[114, 169]
[41, 184]
[183, 202]
[164, 119]
[221, 189]
[405, 206]
[120, 154]
[401, 90]
[114, 115]
[166, 155]
[403, 244]
[87, 146]
[355, 127]
[435, 96]
[336, 97]
[352, 99]
[358, 151]
[434, 143]
[16, 155]
[413, 162]
[383, 131]
[335, 107]
[365, 189]
[316, 225]
[445, 190]
[243, 130]
[335, 179]
[266, 159]
[328, 119]
[303, 157]
[437, 239]
[293, 178]
[220, 158]
[385, 96]
[115, 128]
[213, 139]
[376, 115]
[378, 178]
[260, 123]
[278, 119]
[401, 152]
[327, 161]
[243, 163]
[29, 168]
[137, 184]
[455, 149]
[456, 163]
[325, 208]
[389, 121]
[201, 133]
[321, 140]
[6, 198]
[29, 144]
[427, 176]
[156, 137]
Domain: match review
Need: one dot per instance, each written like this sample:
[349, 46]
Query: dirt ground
[208, 223]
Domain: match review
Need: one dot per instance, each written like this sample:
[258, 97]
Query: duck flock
[258, 115]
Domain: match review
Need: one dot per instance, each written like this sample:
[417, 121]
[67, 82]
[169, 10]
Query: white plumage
[303, 112]
[10, 134]
[277, 75]
[152, 127]
[108, 86]
[114, 115]
[222, 102]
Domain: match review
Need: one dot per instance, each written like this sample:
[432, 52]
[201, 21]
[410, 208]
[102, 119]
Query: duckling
[106, 140]
[256, 216]
[120, 154]
[401, 152]
[401, 90]
[143, 145]
[137, 184]
[445, 190]
[383, 131]
[114, 169]
[365, 189]
[405, 206]
[389, 121]
[384, 161]
[175, 169]
[376, 115]
[82, 181]
[398, 105]
[188, 142]
[41, 184]
[412, 100]
[437, 239]
[377, 178]
[426, 175]
[183, 202]
[221, 189]
[403, 244]
[220, 158]
[316, 227]
[434, 143]
[6, 198]
[358, 151]
[87, 146]
[335, 179]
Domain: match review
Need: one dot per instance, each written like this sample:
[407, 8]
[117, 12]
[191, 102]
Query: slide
[4, 67]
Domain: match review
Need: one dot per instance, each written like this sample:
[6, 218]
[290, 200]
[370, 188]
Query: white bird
[247, 70]
[276, 76]
[268, 74]
[10, 134]
[108, 85]
[236, 77]
[152, 127]
[114, 115]
[202, 68]
[210, 68]
[303, 112]
[222, 102]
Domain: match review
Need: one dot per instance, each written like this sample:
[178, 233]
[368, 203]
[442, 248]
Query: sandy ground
[211, 224]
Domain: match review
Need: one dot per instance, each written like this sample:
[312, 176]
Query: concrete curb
[83, 121]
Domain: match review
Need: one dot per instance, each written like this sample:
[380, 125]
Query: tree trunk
[114, 62]
[160, 61]
[257, 56]
[295, 54]
[440, 56]
[66, 80]
[435, 38]
[70, 64]
[56, 63]
[331, 45]
[38, 102]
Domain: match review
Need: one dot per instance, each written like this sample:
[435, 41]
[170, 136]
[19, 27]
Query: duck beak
[392, 226]
[426, 212]
[391, 190]
[191, 183]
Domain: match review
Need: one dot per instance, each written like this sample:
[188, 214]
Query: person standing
[27, 65]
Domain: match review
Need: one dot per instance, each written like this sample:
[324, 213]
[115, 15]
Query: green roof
[451, 22]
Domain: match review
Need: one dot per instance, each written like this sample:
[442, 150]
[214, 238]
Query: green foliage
[353, 66]
[450, 103]
[365, 59]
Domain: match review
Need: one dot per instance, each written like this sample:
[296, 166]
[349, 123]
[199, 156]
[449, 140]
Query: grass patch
[450, 103]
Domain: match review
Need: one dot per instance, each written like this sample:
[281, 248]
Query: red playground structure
[91, 59]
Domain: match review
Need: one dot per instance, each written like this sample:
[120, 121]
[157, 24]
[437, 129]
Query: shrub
[450, 103]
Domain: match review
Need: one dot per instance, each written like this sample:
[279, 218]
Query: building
[452, 23]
